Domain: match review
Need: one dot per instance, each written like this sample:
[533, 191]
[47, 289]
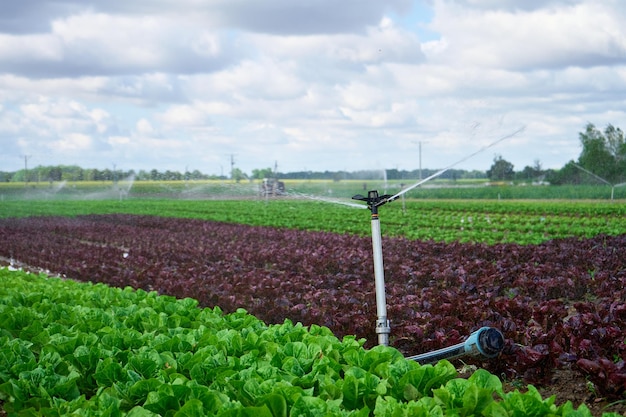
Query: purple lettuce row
[558, 304]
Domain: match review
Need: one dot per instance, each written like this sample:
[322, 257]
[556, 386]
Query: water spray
[613, 186]
[486, 341]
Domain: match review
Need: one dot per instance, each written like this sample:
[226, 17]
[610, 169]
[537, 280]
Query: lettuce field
[472, 221]
[79, 349]
[550, 276]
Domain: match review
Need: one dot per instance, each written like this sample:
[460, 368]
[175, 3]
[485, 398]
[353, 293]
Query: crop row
[467, 221]
[559, 303]
[92, 350]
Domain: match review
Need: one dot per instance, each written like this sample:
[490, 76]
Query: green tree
[259, 174]
[238, 175]
[172, 175]
[501, 170]
[55, 174]
[569, 174]
[603, 153]
[196, 175]
[531, 173]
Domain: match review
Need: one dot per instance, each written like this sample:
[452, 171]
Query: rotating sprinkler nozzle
[486, 341]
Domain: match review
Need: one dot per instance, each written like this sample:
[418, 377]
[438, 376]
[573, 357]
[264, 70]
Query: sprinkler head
[373, 199]
[490, 342]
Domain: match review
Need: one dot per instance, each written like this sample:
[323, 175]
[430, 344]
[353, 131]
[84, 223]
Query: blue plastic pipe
[486, 341]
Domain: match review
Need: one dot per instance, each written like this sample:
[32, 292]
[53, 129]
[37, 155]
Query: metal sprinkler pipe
[383, 327]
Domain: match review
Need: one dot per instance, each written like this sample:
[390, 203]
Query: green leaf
[380, 355]
[15, 357]
[420, 381]
[141, 412]
[162, 401]
[495, 409]
[527, 404]
[138, 392]
[35, 330]
[306, 406]
[64, 344]
[350, 391]
[277, 404]
[451, 395]
[145, 363]
[476, 399]
[191, 408]
[65, 387]
[109, 372]
[292, 366]
[107, 405]
[485, 379]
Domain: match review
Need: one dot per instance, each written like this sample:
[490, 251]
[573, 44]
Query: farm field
[228, 189]
[548, 274]
[483, 221]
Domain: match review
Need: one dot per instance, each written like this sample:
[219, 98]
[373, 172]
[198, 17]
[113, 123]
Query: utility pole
[420, 152]
[419, 144]
[26, 158]
[232, 166]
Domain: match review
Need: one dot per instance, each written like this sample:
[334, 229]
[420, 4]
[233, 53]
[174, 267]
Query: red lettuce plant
[559, 303]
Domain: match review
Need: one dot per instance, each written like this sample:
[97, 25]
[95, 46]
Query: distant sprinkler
[601, 180]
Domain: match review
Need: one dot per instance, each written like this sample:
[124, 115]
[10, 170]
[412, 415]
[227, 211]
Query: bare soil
[571, 385]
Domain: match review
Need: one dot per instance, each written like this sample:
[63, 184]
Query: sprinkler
[486, 341]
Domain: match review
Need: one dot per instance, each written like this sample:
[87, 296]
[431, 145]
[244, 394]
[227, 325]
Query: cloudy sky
[307, 84]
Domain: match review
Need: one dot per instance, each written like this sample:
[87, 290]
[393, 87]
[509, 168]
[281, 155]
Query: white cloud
[183, 116]
[144, 128]
[22, 48]
[554, 36]
[118, 140]
[72, 142]
[264, 79]
[326, 85]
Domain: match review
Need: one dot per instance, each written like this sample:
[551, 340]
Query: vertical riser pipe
[382, 323]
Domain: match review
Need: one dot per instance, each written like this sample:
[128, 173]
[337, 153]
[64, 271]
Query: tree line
[602, 160]
[58, 173]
